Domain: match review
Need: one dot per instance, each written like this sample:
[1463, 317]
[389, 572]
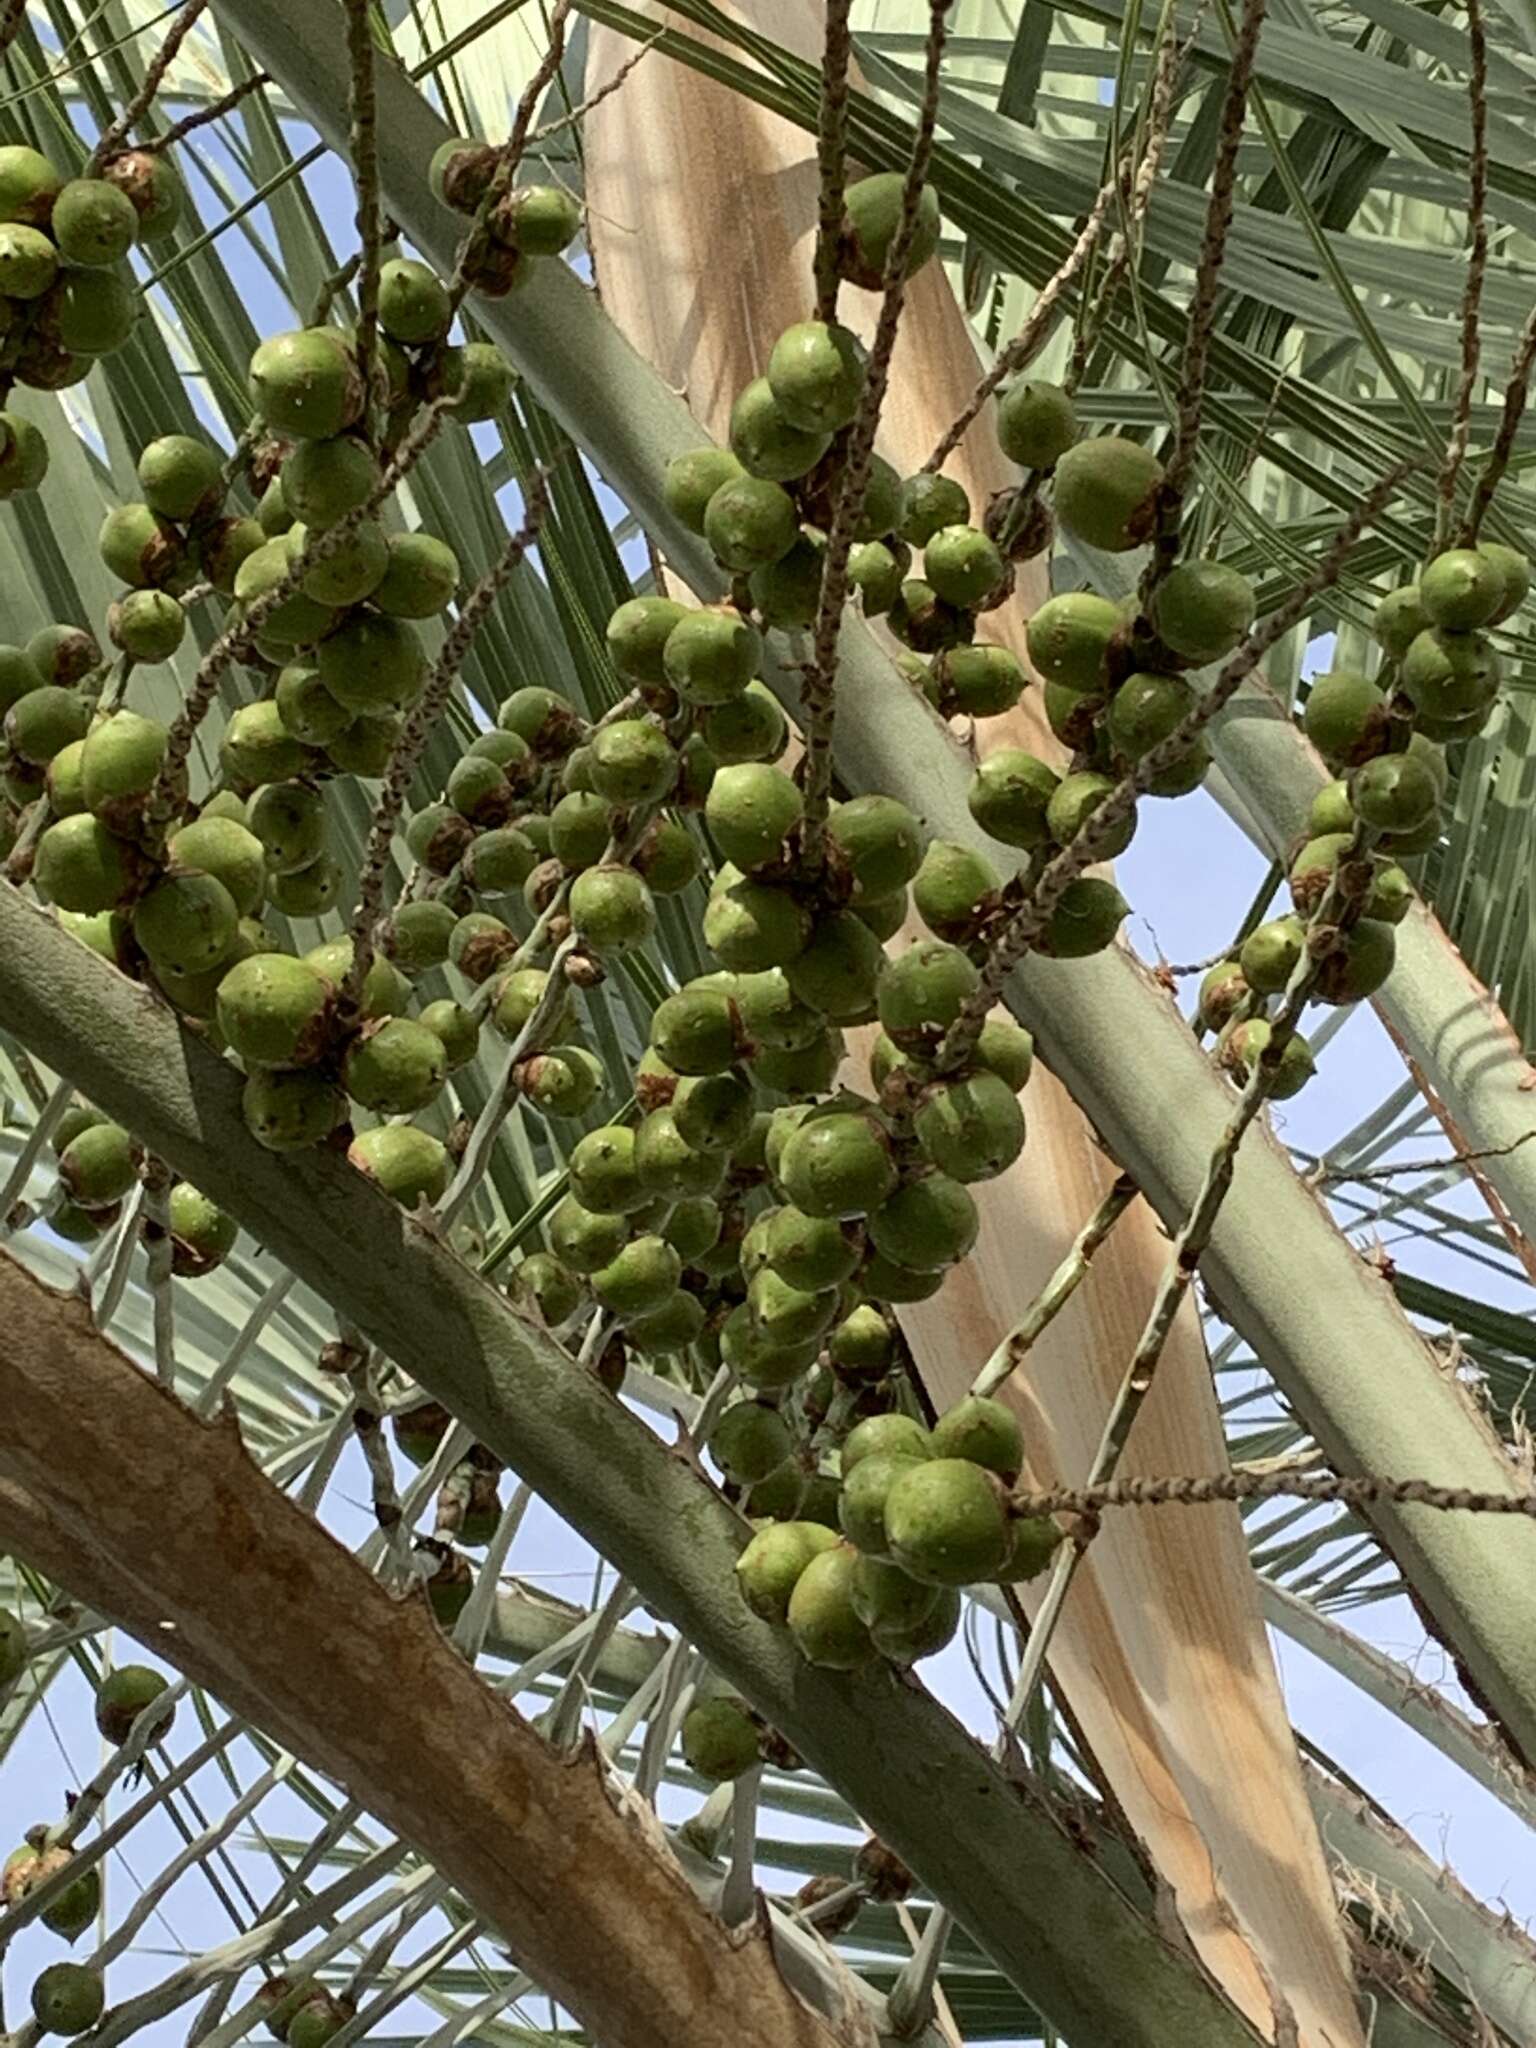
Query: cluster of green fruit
[1386, 741]
[67, 1998]
[517, 223]
[98, 1165]
[65, 299]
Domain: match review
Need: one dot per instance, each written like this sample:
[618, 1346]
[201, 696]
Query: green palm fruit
[500, 861]
[694, 1229]
[750, 522]
[1399, 619]
[1074, 802]
[122, 1696]
[82, 867]
[479, 791]
[787, 593]
[1242, 1044]
[638, 633]
[587, 1239]
[821, 1615]
[633, 762]
[839, 1166]
[861, 1503]
[385, 991]
[751, 810]
[667, 858]
[91, 312]
[307, 891]
[67, 1998]
[930, 1222]
[921, 619]
[611, 909]
[946, 1522]
[182, 478]
[928, 504]
[1330, 811]
[886, 1598]
[972, 1128]
[872, 218]
[1451, 675]
[306, 384]
[19, 676]
[186, 922]
[980, 681]
[812, 1253]
[1036, 423]
[29, 262]
[539, 220]
[878, 842]
[698, 1031]
[770, 1011]
[605, 1175]
[951, 888]
[965, 567]
[816, 373]
[984, 1431]
[766, 442]
[641, 1276]
[406, 1163]
[1345, 718]
[1202, 610]
[1145, 710]
[1395, 792]
[421, 574]
[44, 722]
[478, 946]
[414, 306]
[692, 480]
[456, 1028]
[552, 1286]
[146, 625]
[923, 990]
[580, 829]
[439, 838]
[863, 1345]
[1069, 639]
[291, 620]
[1085, 920]
[98, 1168]
[29, 185]
[1010, 797]
[153, 184]
[1461, 589]
[229, 852]
[276, 1011]
[750, 729]
[1033, 1542]
[74, 1908]
[142, 549]
[289, 820]
[876, 570]
[759, 1358]
[291, 1109]
[562, 1082]
[460, 173]
[257, 747]
[23, 455]
[770, 1566]
[372, 663]
[1516, 573]
[786, 1315]
[719, 1740]
[1360, 966]
[221, 547]
[320, 2016]
[352, 571]
[884, 915]
[662, 1332]
[395, 1066]
[750, 1441]
[323, 481]
[712, 654]
[802, 1070]
[519, 994]
[667, 1164]
[838, 970]
[1269, 957]
[202, 1234]
[1106, 492]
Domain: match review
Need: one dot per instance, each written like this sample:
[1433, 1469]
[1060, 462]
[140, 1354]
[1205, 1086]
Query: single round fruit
[97, 1168]
[147, 625]
[821, 1614]
[972, 1128]
[414, 306]
[1242, 1045]
[29, 185]
[153, 184]
[750, 1441]
[984, 1431]
[421, 575]
[750, 522]
[946, 1522]
[1461, 589]
[182, 478]
[873, 211]
[275, 1011]
[93, 222]
[372, 663]
[186, 922]
[641, 1276]
[306, 384]
[408, 1164]
[697, 1031]
[611, 909]
[290, 1109]
[719, 1740]
[395, 1066]
[83, 867]
[929, 503]
[929, 1222]
[1036, 423]
[964, 566]
[1345, 717]
[1202, 610]
[693, 479]
[861, 1504]
[231, 853]
[770, 1567]
[1396, 792]
[29, 262]
[1010, 797]
[839, 1166]
[67, 1998]
[1087, 916]
[923, 990]
[122, 1696]
[816, 374]
[1105, 492]
[711, 655]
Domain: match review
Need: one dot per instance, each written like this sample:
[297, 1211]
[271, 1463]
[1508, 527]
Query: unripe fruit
[563, 1081]
[821, 1614]
[122, 1696]
[711, 655]
[372, 663]
[1106, 492]
[29, 185]
[929, 503]
[750, 522]
[668, 1164]
[863, 1344]
[1451, 675]
[1345, 718]
[633, 762]
[290, 1109]
[29, 262]
[74, 1908]
[667, 857]
[408, 1164]
[306, 384]
[1399, 619]
[637, 635]
[1033, 1542]
[872, 217]
[839, 1166]
[640, 1277]
[838, 970]
[694, 1230]
[23, 455]
[385, 991]
[1330, 811]
[320, 2016]
[719, 1741]
[691, 481]
[752, 728]
[885, 1597]
[458, 1030]
[1241, 1046]
[604, 1175]
[981, 681]
[816, 374]
[478, 945]
[1395, 792]
[186, 923]
[308, 891]
[1516, 572]
[1202, 610]
[1087, 916]
[1361, 966]
[153, 184]
[923, 990]
[611, 909]
[971, 1129]
[751, 926]
[951, 888]
[1145, 710]
[984, 1431]
[83, 867]
[553, 1287]
[1010, 797]
[766, 442]
[63, 654]
[322, 481]
[759, 1358]
[519, 994]
[698, 1031]
[861, 1503]
[284, 621]
[1270, 955]
[227, 851]
[770, 1567]
[1036, 423]
[787, 1315]
[289, 820]
[964, 566]
[352, 571]
[946, 1522]
[44, 722]
[98, 1167]
[751, 810]
[538, 220]
[67, 1998]
[414, 306]
[1069, 638]
[586, 1239]
[395, 1066]
[876, 570]
[1461, 589]
[812, 1252]
[880, 842]
[749, 1441]
[929, 1222]
[257, 747]
[275, 1011]
[202, 1234]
